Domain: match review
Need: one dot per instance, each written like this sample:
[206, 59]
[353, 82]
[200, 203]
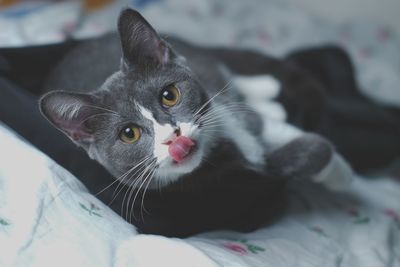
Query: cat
[166, 103]
[171, 112]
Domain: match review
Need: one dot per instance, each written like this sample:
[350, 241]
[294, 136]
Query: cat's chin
[170, 171]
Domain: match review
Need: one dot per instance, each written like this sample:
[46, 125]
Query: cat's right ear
[140, 42]
[71, 113]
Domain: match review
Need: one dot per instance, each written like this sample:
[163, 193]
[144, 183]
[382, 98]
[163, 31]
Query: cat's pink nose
[180, 148]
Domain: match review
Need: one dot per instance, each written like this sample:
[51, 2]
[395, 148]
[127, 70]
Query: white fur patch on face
[168, 170]
[161, 133]
[187, 128]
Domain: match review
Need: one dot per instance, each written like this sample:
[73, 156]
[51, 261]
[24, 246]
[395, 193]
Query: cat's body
[219, 143]
[243, 127]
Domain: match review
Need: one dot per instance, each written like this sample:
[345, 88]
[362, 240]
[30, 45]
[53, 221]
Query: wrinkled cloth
[48, 218]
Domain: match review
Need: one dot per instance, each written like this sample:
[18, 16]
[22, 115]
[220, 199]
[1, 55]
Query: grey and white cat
[166, 107]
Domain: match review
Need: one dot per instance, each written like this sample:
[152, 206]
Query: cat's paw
[336, 175]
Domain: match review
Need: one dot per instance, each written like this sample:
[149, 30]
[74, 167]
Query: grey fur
[149, 64]
[302, 158]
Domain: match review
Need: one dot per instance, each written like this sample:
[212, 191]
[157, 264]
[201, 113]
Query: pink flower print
[365, 52]
[345, 35]
[383, 35]
[264, 37]
[236, 248]
[391, 213]
[358, 218]
[69, 27]
[243, 247]
[353, 212]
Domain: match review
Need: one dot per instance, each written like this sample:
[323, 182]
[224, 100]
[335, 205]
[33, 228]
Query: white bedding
[47, 218]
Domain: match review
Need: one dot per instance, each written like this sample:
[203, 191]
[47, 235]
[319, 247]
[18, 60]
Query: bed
[48, 218]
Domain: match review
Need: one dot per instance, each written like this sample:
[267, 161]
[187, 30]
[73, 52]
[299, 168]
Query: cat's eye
[170, 96]
[130, 134]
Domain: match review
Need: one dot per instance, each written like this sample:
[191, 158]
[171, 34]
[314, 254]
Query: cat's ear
[70, 113]
[140, 42]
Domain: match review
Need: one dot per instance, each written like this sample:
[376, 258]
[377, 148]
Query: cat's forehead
[143, 85]
[130, 95]
[138, 80]
[120, 88]
[128, 105]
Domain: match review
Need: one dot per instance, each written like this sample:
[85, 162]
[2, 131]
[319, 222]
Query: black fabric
[29, 66]
[365, 132]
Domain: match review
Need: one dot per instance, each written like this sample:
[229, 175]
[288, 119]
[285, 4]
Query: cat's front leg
[310, 156]
[337, 174]
[294, 152]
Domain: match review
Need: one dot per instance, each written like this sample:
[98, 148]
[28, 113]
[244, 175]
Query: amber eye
[130, 134]
[170, 96]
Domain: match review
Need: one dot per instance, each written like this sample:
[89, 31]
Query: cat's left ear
[72, 113]
[140, 42]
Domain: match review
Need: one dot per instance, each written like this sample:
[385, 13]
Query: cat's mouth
[181, 149]
[184, 151]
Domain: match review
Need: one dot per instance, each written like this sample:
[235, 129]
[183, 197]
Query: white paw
[337, 175]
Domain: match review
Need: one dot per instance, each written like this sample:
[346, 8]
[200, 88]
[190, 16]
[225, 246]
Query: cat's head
[144, 119]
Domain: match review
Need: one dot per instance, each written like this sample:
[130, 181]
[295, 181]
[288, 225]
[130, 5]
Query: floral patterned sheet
[47, 218]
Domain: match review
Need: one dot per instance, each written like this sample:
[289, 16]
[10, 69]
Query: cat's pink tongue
[180, 148]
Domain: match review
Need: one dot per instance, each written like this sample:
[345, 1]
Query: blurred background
[367, 29]
[383, 11]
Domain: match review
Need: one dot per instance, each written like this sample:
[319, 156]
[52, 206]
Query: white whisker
[224, 89]
[130, 190]
[127, 183]
[147, 173]
[120, 178]
[221, 111]
[141, 163]
[142, 208]
[101, 108]
[95, 115]
[133, 187]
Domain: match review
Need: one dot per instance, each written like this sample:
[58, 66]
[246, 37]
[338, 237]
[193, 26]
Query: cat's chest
[252, 116]
[260, 92]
